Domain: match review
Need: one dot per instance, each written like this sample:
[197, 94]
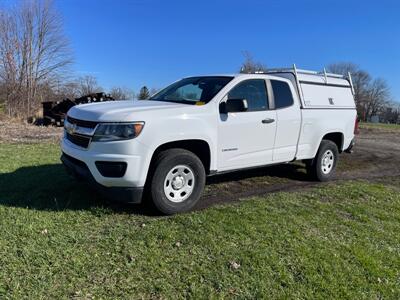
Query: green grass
[58, 240]
[380, 126]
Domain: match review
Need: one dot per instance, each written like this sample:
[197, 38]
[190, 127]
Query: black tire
[316, 167]
[163, 165]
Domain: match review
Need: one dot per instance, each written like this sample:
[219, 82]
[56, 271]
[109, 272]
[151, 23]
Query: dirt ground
[13, 131]
[376, 156]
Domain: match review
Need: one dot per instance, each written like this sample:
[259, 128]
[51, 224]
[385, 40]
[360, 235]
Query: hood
[118, 111]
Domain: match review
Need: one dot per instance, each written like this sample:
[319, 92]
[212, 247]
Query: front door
[246, 139]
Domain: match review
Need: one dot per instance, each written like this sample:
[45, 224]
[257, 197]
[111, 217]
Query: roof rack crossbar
[301, 71]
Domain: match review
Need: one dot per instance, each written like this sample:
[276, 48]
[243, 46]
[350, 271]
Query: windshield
[192, 90]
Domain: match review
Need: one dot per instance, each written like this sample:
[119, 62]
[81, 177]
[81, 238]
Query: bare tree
[33, 53]
[121, 93]
[372, 96]
[88, 85]
[64, 89]
[377, 98]
[250, 65]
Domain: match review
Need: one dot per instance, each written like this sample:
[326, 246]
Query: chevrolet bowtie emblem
[71, 128]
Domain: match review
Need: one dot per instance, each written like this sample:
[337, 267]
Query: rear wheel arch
[322, 166]
[336, 137]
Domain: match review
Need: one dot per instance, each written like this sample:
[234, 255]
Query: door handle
[267, 121]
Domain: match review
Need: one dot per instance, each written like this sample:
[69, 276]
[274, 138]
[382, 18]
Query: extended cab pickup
[206, 125]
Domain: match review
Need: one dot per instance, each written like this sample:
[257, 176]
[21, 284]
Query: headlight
[106, 132]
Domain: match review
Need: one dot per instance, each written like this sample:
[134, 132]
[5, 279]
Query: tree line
[372, 95]
[86, 85]
[35, 60]
[34, 55]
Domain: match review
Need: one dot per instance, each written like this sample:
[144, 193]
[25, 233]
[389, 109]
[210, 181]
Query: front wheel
[323, 166]
[178, 181]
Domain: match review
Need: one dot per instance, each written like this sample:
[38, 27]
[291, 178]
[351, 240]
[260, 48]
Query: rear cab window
[282, 94]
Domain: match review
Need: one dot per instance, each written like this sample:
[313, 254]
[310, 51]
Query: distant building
[374, 119]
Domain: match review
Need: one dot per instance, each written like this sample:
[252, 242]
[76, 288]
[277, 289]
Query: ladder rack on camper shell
[313, 77]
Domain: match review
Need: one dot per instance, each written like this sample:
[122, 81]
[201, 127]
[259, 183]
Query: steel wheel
[327, 162]
[179, 183]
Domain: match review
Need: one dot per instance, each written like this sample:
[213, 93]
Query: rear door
[288, 121]
[246, 139]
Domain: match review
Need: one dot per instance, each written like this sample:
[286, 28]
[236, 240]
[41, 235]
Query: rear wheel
[178, 181]
[323, 166]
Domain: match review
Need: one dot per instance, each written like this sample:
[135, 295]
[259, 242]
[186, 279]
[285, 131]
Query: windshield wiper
[175, 101]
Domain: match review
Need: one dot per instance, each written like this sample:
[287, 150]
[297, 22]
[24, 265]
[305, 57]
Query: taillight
[356, 129]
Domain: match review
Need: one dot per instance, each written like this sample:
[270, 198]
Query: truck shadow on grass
[49, 187]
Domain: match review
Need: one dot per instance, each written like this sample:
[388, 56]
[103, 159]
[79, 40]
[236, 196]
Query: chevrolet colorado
[206, 125]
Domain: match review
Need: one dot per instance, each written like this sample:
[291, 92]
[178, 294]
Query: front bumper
[131, 152]
[81, 171]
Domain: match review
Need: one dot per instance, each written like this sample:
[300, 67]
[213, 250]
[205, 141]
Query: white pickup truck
[206, 125]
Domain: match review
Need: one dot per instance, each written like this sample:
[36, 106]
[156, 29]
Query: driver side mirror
[233, 105]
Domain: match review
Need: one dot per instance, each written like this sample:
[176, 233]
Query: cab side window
[282, 94]
[254, 91]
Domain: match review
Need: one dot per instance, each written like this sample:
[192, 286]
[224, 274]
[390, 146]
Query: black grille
[80, 140]
[76, 161]
[82, 123]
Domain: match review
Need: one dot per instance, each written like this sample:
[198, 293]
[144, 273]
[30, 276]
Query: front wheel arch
[200, 148]
[166, 161]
